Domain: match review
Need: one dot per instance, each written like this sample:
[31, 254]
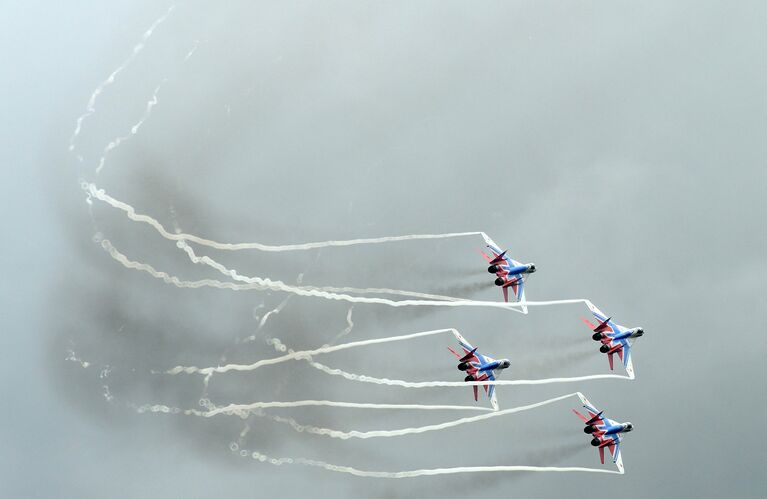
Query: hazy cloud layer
[619, 145]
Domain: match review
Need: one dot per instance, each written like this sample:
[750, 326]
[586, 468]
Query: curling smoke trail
[101, 195]
[411, 473]
[308, 354]
[268, 284]
[345, 435]
[91, 106]
[278, 345]
[206, 260]
[181, 239]
[115, 143]
[305, 354]
[243, 410]
[432, 384]
[347, 329]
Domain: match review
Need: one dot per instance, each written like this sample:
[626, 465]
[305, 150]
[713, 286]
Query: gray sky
[619, 145]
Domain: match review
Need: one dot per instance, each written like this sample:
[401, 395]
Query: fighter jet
[509, 272]
[479, 367]
[614, 338]
[606, 432]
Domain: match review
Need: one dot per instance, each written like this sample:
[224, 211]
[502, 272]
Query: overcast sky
[618, 145]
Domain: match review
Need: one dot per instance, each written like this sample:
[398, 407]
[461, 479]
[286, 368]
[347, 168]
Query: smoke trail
[206, 260]
[432, 384]
[192, 50]
[345, 435]
[308, 354]
[91, 106]
[411, 473]
[305, 354]
[346, 330]
[101, 195]
[114, 144]
[268, 284]
[243, 410]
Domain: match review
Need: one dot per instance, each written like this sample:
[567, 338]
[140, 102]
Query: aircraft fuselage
[609, 430]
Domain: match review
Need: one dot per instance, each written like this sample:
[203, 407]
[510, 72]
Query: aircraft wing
[629, 365]
[619, 463]
[491, 393]
[615, 448]
[491, 244]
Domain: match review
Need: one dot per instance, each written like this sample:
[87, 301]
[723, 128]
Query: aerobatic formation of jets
[480, 370]
[614, 339]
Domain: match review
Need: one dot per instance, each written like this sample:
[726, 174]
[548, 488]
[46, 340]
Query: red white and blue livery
[509, 272]
[615, 339]
[479, 367]
[605, 432]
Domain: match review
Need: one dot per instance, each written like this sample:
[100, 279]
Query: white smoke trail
[115, 143]
[268, 284]
[308, 354]
[101, 195]
[192, 50]
[72, 357]
[181, 239]
[305, 354]
[244, 410]
[347, 329]
[432, 384]
[411, 473]
[91, 106]
[206, 260]
[345, 435]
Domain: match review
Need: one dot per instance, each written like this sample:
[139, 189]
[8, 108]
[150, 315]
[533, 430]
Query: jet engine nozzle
[463, 366]
[469, 378]
[639, 332]
[500, 281]
[493, 269]
[604, 348]
[531, 269]
[596, 336]
[629, 427]
[595, 442]
[589, 429]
